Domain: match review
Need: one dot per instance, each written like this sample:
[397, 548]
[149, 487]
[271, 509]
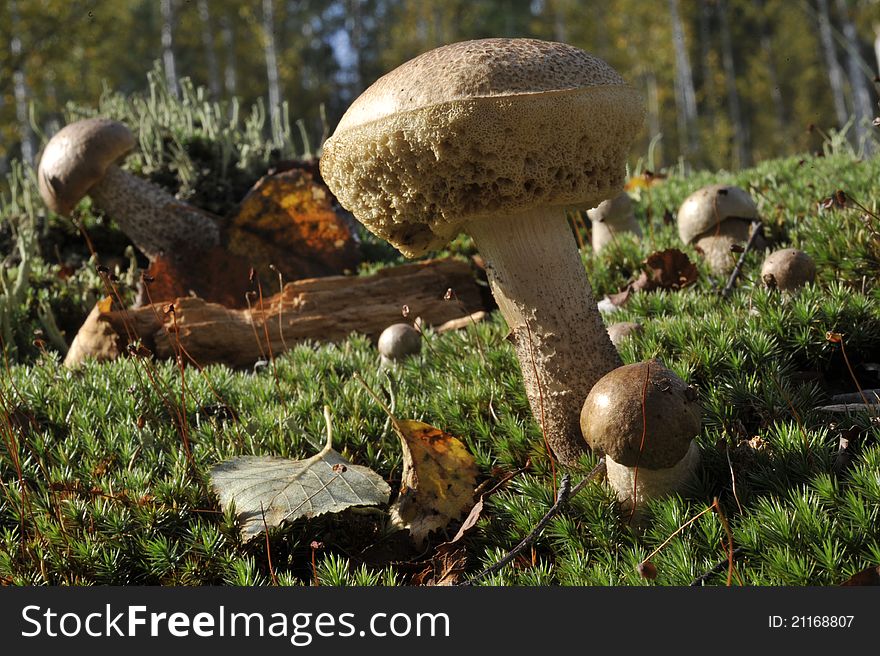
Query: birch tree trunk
[734, 107]
[685, 97]
[230, 74]
[772, 74]
[835, 72]
[272, 71]
[20, 89]
[168, 46]
[708, 81]
[210, 48]
[653, 103]
[862, 102]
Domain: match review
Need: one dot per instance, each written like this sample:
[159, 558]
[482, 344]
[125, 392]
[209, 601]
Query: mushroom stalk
[539, 281]
[635, 485]
[155, 221]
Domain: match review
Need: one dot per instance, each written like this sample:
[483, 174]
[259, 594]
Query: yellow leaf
[105, 305]
[438, 479]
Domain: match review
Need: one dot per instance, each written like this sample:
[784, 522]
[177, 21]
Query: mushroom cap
[613, 211]
[620, 330]
[399, 340]
[790, 268]
[704, 209]
[611, 418]
[76, 158]
[476, 129]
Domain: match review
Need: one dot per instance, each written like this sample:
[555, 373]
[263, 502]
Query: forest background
[727, 83]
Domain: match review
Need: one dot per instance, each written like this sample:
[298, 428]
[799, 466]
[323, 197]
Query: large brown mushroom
[715, 218]
[496, 137]
[612, 217]
[83, 159]
[644, 419]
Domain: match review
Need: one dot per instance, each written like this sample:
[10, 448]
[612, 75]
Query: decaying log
[320, 309]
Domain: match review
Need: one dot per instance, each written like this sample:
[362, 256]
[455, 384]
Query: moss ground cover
[104, 469]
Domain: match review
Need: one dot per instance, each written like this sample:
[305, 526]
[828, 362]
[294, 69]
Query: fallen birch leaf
[438, 479]
[275, 490]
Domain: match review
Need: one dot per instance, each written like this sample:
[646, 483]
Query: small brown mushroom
[398, 341]
[612, 217]
[644, 419]
[82, 159]
[496, 138]
[621, 330]
[715, 218]
[788, 269]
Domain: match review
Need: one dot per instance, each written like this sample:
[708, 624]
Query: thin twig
[566, 493]
[717, 567]
[737, 270]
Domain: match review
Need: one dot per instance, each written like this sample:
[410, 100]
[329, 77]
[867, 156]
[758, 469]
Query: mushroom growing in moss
[715, 218]
[612, 217]
[398, 341]
[644, 419]
[83, 159]
[496, 138]
[788, 269]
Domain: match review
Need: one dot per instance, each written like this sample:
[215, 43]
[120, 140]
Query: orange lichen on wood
[288, 220]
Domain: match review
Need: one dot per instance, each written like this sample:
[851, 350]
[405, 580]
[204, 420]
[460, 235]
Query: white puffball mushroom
[644, 419]
[398, 341]
[612, 217]
[788, 269]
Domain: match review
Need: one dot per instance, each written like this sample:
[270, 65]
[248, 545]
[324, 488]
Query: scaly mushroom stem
[542, 290]
[157, 222]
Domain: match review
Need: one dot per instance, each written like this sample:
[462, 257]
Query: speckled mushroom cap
[76, 158]
[476, 129]
[707, 207]
[611, 419]
[790, 268]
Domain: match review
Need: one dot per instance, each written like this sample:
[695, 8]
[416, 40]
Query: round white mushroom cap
[702, 211]
[478, 129]
[398, 341]
[788, 269]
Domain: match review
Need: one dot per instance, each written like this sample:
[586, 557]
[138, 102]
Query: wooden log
[321, 309]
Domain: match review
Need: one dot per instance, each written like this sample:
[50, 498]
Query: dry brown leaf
[869, 576]
[669, 269]
[438, 479]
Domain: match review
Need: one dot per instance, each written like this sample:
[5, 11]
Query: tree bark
[270, 53]
[210, 48]
[325, 309]
[685, 97]
[835, 72]
[167, 10]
